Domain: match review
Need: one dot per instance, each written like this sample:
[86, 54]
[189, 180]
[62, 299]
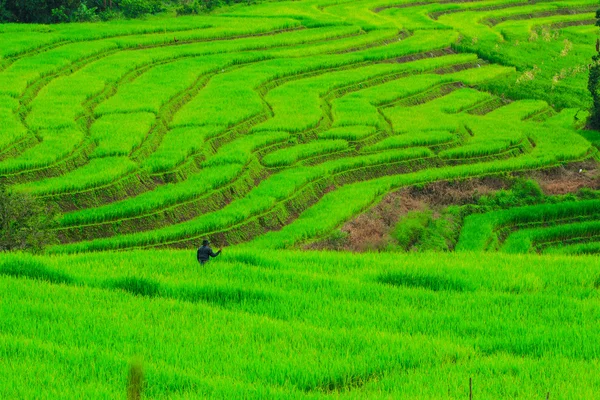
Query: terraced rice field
[570, 227]
[158, 133]
[266, 128]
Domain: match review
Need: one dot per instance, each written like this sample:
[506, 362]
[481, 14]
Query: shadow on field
[136, 286]
[33, 269]
[342, 383]
[430, 282]
[220, 296]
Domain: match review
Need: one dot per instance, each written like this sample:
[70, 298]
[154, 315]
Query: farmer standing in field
[205, 252]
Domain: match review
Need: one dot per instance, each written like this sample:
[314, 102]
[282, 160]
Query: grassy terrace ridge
[281, 126]
[544, 225]
[300, 325]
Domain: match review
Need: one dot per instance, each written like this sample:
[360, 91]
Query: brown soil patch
[371, 230]
[566, 24]
[569, 179]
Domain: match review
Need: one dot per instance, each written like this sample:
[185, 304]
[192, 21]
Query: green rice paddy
[266, 128]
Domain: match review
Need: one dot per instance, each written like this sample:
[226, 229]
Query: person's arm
[213, 254]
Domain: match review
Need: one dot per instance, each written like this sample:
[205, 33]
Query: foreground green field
[300, 325]
[293, 114]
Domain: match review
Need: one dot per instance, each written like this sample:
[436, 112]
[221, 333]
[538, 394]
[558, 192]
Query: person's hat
[205, 242]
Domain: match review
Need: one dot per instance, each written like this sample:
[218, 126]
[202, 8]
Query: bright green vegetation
[294, 115]
[120, 134]
[348, 132]
[300, 325]
[97, 172]
[524, 229]
[422, 138]
[268, 128]
[291, 155]
[101, 117]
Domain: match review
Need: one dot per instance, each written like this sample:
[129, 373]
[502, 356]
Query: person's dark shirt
[205, 253]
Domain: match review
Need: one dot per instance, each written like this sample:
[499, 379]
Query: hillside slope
[294, 115]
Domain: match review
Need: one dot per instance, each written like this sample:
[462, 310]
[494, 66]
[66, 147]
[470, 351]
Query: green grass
[163, 196]
[178, 144]
[151, 90]
[224, 94]
[574, 249]
[98, 172]
[351, 133]
[526, 240]
[410, 139]
[270, 126]
[11, 129]
[291, 155]
[240, 150]
[120, 134]
[480, 230]
[299, 325]
[55, 145]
